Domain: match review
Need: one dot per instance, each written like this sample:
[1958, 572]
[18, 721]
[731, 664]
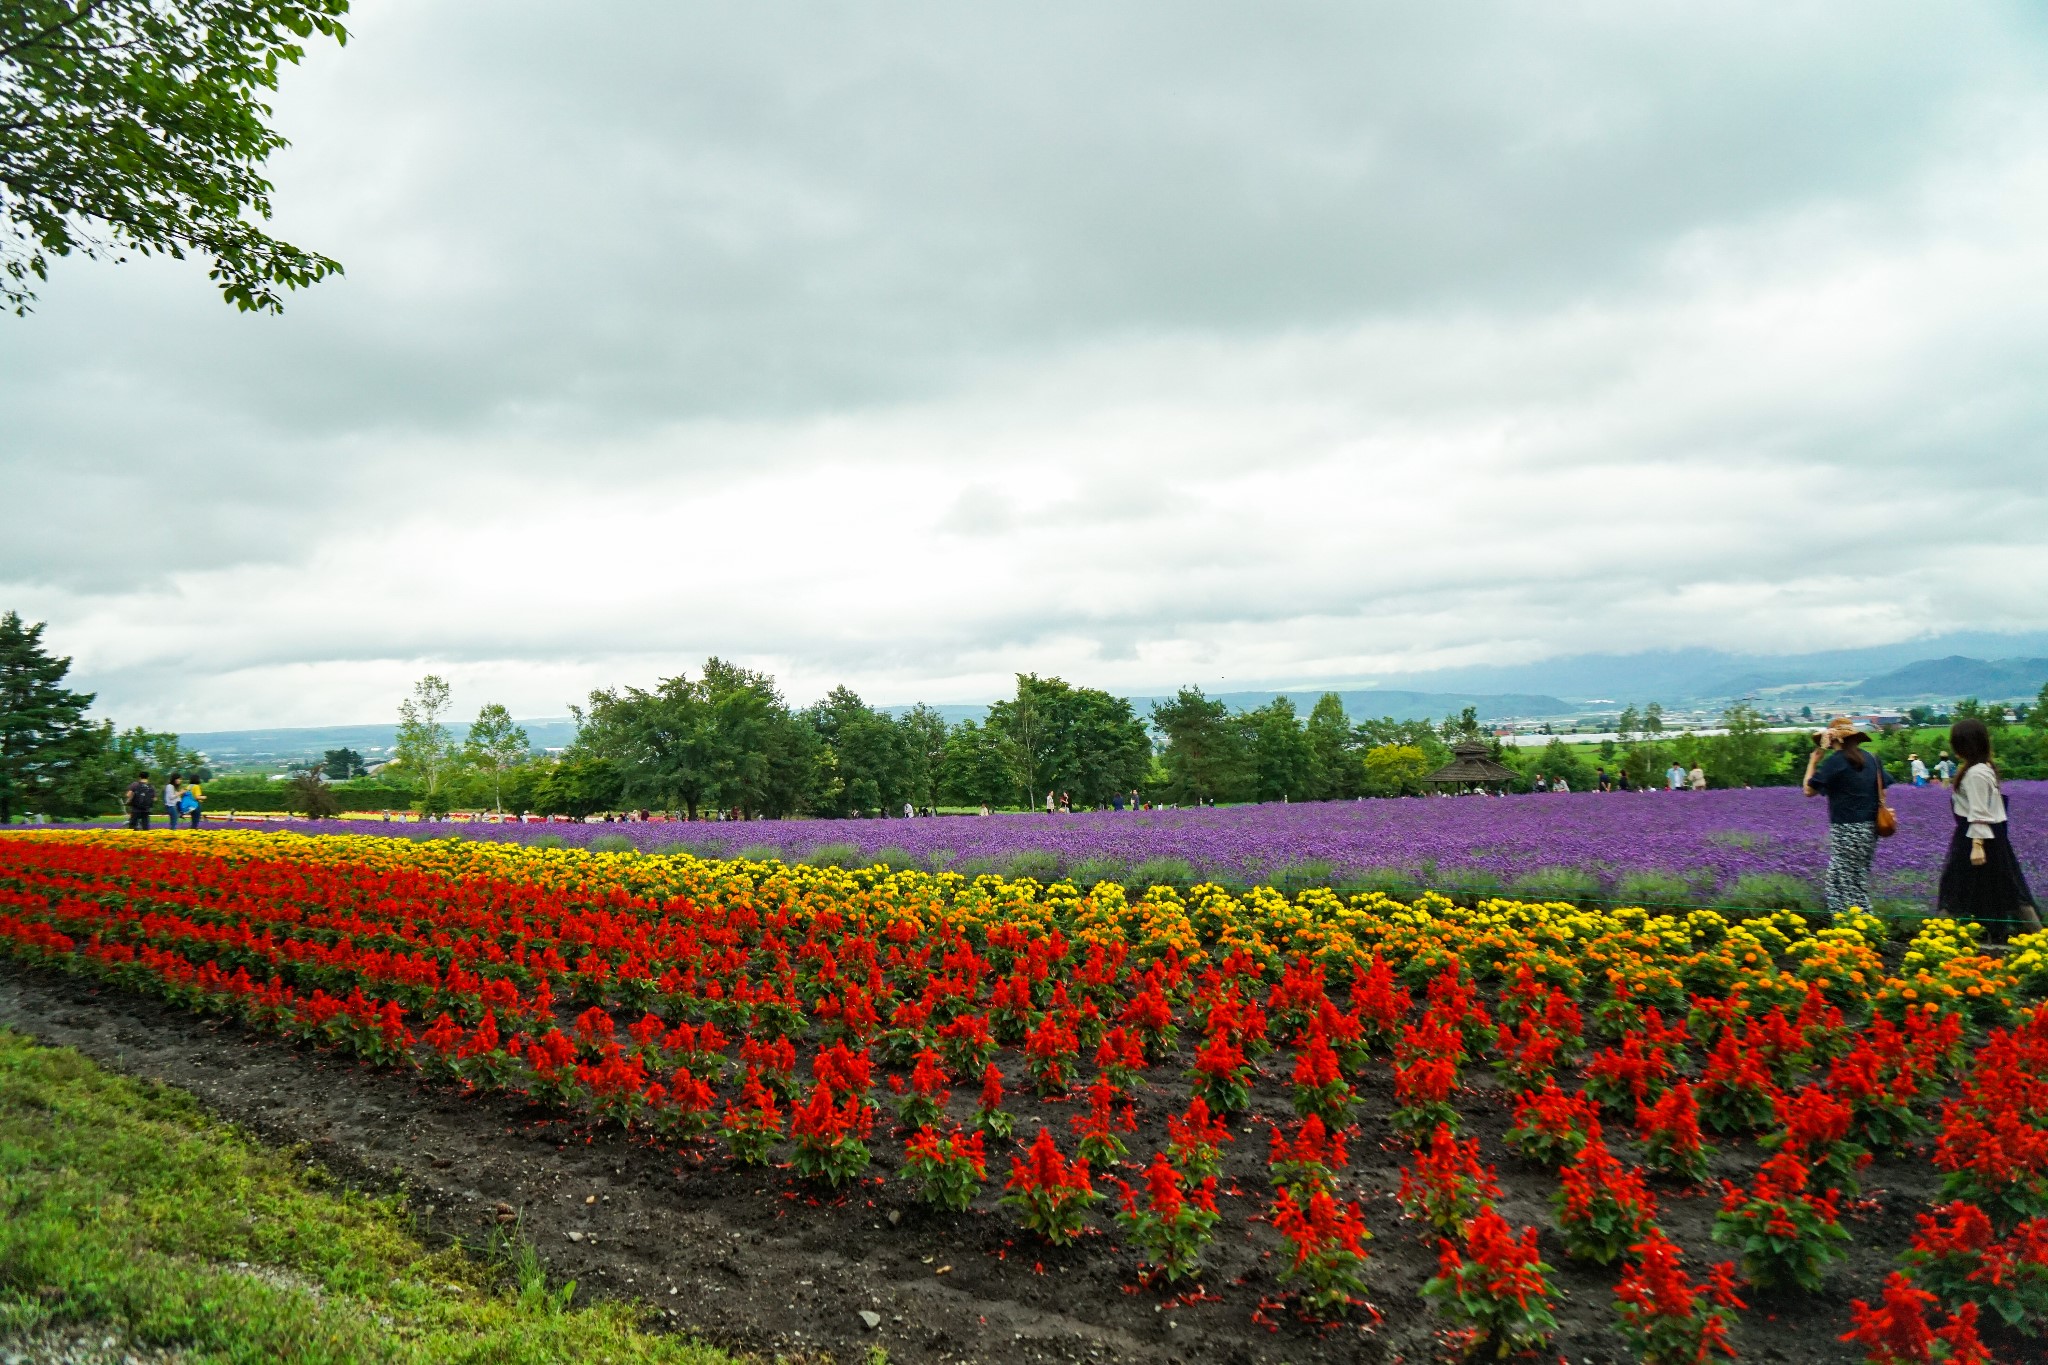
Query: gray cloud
[1126, 340]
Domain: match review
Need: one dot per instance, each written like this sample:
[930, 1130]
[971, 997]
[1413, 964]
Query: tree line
[726, 740]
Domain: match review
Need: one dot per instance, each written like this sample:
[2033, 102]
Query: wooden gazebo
[1472, 767]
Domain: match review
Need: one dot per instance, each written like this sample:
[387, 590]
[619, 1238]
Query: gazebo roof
[1472, 764]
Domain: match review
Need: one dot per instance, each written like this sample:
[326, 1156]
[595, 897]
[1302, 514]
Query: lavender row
[1690, 844]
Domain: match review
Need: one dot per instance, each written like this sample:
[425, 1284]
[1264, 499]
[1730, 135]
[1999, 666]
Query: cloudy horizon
[1140, 344]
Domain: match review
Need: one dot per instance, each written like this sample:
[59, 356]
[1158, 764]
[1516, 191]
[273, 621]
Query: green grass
[124, 1207]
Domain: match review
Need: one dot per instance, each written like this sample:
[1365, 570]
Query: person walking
[174, 794]
[192, 803]
[1918, 769]
[1674, 776]
[1945, 768]
[140, 799]
[1853, 783]
[1697, 778]
[1981, 879]
[1561, 787]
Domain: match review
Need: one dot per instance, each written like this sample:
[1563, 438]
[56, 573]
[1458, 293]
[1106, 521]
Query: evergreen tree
[44, 736]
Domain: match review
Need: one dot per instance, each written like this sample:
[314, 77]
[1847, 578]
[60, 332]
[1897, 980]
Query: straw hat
[1841, 730]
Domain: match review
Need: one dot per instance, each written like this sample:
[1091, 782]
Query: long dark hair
[1971, 740]
[1852, 749]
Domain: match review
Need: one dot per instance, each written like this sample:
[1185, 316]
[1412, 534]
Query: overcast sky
[1143, 344]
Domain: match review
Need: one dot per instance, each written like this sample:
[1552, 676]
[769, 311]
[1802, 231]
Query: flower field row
[833, 1022]
[1692, 847]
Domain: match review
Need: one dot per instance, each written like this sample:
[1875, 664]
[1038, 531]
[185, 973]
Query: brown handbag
[1887, 818]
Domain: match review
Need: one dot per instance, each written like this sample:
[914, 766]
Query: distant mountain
[286, 745]
[1959, 676]
[1371, 703]
[1713, 675]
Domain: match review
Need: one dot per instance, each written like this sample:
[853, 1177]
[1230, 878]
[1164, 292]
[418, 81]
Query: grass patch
[835, 855]
[1399, 882]
[123, 1207]
[895, 859]
[1088, 873]
[612, 843]
[1295, 878]
[1770, 891]
[1474, 884]
[547, 841]
[1040, 864]
[753, 853]
[1572, 885]
[1655, 888]
[1163, 872]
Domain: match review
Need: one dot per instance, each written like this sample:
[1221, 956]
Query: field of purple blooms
[1765, 846]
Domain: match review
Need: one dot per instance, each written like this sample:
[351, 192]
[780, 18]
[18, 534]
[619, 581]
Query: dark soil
[756, 1262]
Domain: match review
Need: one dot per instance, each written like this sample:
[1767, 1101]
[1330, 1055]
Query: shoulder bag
[1887, 818]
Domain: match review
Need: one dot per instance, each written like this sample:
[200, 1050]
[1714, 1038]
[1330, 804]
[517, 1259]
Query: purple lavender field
[1703, 847]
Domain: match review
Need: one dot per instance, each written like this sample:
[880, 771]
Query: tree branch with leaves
[140, 126]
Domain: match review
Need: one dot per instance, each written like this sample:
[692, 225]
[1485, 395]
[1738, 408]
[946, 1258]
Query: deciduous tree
[141, 126]
[495, 746]
[425, 747]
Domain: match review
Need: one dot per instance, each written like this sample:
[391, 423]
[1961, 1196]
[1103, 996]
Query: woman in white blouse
[1982, 880]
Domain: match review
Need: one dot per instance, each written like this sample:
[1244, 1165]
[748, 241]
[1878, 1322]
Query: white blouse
[1978, 800]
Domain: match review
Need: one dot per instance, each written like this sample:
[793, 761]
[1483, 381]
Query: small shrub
[547, 841]
[947, 1169]
[1175, 1222]
[612, 843]
[1398, 882]
[828, 1137]
[835, 855]
[1770, 891]
[1088, 872]
[1301, 876]
[1039, 864]
[1602, 1206]
[1654, 888]
[1497, 1289]
[1052, 1195]
[1571, 885]
[1898, 1332]
[1664, 1315]
[1327, 1238]
[971, 868]
[1163, 872]
[1958, 1255]
[1474, 884]
[895, 859]
[1787, 1236]
[753, 853]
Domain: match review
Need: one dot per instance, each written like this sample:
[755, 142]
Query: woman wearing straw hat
[1853, 783]
[1982, 880]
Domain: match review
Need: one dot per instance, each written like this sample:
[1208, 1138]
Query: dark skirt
[1992, 894]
